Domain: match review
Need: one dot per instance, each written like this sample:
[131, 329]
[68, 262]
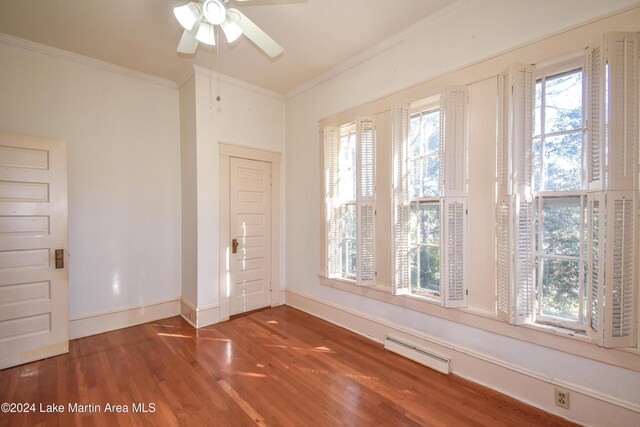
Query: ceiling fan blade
[255, 34]
[188, 43]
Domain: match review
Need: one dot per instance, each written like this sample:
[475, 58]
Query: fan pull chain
[210, 77]
[218, 63]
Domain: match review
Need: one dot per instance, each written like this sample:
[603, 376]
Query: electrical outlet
[562, 398]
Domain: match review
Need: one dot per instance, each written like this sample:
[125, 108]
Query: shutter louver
[524, 262]
[595, 266]
[503, 242]
[455, 224]
[594, 138]
[454, 136]
[365, 200]
[503, 153]
[455, 139]
[332, 213]
[622, 127]
[400, 136]
[521, 127]
[514, 213]
[619, 298]
[613, 69]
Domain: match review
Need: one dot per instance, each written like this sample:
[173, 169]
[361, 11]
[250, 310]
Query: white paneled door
[33, 249]
[250, 229]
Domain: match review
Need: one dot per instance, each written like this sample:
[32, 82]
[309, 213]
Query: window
[350, 201]
[425, 192]
[429, 139]
[566, 238]
[347, 200]
[559, 198]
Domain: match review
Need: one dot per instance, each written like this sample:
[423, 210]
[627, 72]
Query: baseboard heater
[417, 354]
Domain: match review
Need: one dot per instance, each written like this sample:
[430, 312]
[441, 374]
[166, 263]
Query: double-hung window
[346, 199]
[567, 189]
[559, 194]
[429, 139]
[350, 201]
[425, 192]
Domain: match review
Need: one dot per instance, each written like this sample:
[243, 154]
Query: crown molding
[65, 55]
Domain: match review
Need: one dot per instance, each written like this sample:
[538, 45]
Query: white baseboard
[97, 323]
[199, 317]
[588, 406]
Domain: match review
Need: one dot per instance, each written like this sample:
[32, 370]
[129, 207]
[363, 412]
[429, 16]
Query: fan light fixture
[206, 34]
[199, 18]
[231, 30]
[214, 11]
[188, 14]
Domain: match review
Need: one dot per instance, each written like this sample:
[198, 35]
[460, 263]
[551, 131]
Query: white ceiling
[317, 35]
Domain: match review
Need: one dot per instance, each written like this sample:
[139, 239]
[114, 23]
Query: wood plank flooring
[276, 367]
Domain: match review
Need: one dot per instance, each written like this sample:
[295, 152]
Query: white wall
[248, 116]
[189, 182]
[124, 172]
[465, 33]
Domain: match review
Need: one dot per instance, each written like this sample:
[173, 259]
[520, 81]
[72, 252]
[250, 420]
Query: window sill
[423, 298]
[559, 331]
[553, 337]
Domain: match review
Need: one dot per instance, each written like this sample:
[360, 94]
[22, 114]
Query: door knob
[234, 246]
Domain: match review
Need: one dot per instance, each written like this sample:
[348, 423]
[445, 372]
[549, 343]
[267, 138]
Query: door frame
[225, 152]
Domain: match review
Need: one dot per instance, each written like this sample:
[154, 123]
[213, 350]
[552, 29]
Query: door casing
[225, 152]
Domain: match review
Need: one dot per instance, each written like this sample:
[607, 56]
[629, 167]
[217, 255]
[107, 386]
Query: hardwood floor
[273, 367]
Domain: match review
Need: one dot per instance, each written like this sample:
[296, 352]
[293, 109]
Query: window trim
[564, 67]
[420, 108]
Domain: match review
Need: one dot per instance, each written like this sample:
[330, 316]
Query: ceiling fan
[199, 18]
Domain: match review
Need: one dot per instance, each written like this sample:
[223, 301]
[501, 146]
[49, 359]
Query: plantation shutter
[454, 272]
[515, 209]
[612, 211]
[524, 261]
[401, 199]
[365, 201]
[503, 241]
[503, 209]
[594, 75]
[611, 294]
[332, 206]
[455, 141]
[454, 204]
[621, 53]
[619, 293]
[595, 266]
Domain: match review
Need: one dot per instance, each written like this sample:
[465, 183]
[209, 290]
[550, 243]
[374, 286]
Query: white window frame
[427, 106]
[452, 103]
[611, 71]
[350, 130]
[364, 203]
[539, 197]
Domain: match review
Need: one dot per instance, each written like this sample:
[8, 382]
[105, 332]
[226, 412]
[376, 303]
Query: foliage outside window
[347, 196]
[350, 200]
[559, 199]
[425, 190]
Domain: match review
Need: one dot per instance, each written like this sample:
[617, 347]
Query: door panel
[33, 224]
[250, 225]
